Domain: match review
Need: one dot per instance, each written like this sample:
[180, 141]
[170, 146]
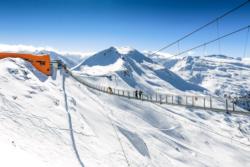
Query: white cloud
[31, 49]
[23, 48]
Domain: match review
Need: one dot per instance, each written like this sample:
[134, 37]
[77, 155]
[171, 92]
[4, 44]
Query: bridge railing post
[192, 100]
[179, 100]
[204, 103]
[226, 105]
[233, 106]
[143, 97]
[211, 103]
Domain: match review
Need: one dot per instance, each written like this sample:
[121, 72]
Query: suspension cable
[178, 47]
[218, 34]
[204, 49]
[246, 42]
[202, 27]
[206, 43]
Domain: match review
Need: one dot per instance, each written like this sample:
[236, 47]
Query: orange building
[40, 62]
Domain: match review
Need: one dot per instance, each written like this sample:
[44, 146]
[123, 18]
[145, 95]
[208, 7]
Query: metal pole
[233, 106]
[211, 106]
[204, 103]
[192, 100]
[226, 105]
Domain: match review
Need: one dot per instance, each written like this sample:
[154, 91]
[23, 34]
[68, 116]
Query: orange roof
[40, 62]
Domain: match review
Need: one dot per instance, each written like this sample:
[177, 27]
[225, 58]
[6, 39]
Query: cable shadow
[70, 125]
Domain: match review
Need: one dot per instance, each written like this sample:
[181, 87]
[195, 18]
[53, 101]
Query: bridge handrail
[206, 102]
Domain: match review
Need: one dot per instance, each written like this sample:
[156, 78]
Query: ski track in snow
[70, 124]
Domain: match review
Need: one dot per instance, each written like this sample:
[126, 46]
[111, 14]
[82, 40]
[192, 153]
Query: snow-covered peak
[133, 70]
[112, 55]
[124, 50]
[106, 57]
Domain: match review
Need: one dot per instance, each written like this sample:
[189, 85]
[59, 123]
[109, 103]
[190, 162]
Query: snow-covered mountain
[130, 69]
[57, 122]
[218, 73]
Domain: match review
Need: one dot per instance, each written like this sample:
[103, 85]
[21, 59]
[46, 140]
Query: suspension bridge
[198, 102]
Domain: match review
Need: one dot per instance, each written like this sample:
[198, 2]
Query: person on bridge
[136, 94]
[140, 94]
[110, 90]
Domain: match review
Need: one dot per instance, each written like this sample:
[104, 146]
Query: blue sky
[93, 25]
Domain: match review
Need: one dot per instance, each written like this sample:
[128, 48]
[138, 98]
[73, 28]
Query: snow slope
[46, 122]
[130, 69]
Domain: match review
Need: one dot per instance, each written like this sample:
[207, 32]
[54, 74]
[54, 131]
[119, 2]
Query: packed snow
[56, 121]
